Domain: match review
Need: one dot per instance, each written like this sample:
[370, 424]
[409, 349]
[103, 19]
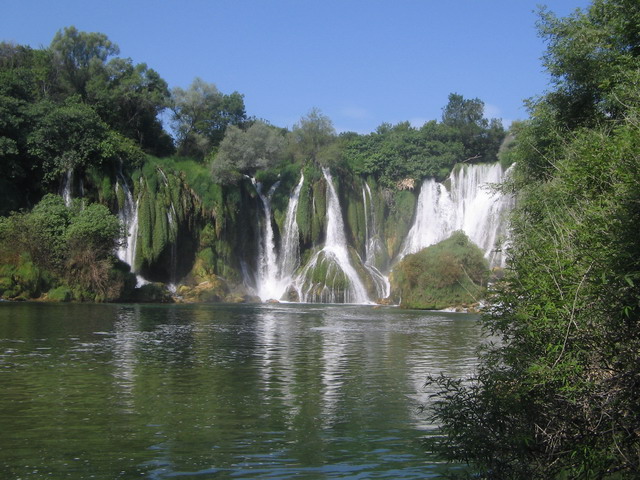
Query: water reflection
[124, 354]
[278, 391]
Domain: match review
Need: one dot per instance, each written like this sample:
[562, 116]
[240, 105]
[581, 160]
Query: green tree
[72, 136]
[245, 151]
[41, 233]
[77, 53]
[201, 115]
[25, 78]
[91, 239]
[55, 245]
[312, 137]
[130, 98]
[481, 137]
[591, 57]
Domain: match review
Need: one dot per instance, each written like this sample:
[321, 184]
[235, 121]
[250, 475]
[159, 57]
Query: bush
[451, 273]
[60, 294]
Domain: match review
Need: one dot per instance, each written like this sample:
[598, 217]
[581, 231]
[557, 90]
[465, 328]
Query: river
[222, 391]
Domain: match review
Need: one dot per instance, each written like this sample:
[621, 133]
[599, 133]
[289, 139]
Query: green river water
[222, 391]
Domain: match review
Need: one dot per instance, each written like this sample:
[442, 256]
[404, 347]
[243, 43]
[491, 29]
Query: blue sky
[361, 62]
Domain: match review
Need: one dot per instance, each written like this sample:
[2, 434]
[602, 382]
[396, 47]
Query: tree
[25, 78]
[244, 152]
[481, 138]
[64, 246]
[91, 238]
[130, 98]
[590, 58]
[201, 115]
[72, 136]
[461, 112]
[76, 53]
[312, 135]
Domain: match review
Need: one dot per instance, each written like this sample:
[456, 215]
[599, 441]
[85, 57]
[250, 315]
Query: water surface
[222, 391]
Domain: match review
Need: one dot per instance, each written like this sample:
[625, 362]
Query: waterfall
[470, 205]
[268, 271]
[275, 272]
[173, 226]
[67, 186]
[290, 251]
[128, 215]
[373, 245]
[340, 282]
[173, 259]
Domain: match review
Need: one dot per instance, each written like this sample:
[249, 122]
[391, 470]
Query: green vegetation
[395, 153]
[77, 118]
[452, 273]
[65, 250]
[243, 152]
[201, 115]
[557, 397]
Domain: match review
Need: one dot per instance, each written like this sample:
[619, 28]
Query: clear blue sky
[361, 62]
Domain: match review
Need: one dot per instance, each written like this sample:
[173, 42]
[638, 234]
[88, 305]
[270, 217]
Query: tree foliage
[73, 106]
[76, 53]
[312, 138]
[557, 396]
[201, 115]
[394, 153]
[243, 152]
[479, 136]
[55, 245]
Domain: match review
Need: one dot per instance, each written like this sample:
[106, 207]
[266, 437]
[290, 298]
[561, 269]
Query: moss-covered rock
[399, 218]
[153, 293]
[211, 291]
[450, 274]
[59, 294]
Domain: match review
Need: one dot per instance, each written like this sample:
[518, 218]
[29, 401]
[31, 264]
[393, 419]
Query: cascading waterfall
[275, 272]
[289, 259]
[172, 223]
[335, 273]
[268, 269]
[128, 215]
[173, 261]
[471, 205]
[373, 245]
[340, 283]
[67, 185]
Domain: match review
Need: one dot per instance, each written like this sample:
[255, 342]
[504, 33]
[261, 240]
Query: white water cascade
[289, 259]
[335, 255]
[374, 245]
[128, 215]
[67, 184]
[470, 205]
[275, 272]
[268, 271]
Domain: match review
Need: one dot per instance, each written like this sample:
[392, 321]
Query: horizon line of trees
[76, 105]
